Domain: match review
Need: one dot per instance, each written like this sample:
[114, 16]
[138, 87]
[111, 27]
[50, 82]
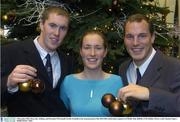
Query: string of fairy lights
[33, 9]
[36, 7]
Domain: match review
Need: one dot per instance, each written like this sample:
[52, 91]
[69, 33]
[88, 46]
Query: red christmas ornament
[37, 86]
[116, 108]
[107, 99]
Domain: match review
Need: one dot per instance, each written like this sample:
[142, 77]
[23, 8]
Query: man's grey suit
[162, 77]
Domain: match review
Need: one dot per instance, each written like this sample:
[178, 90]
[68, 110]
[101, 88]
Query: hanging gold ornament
[25, 86]
[5, 17]
[35, 85]
[38, 29]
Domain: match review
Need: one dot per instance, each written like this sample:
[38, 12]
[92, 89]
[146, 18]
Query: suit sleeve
[6, 68]
[72, 66]
[167, 100]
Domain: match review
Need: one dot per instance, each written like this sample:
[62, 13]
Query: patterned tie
[138, 75]
[49, 67]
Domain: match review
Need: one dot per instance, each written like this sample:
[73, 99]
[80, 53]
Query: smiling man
[26, 60]
[151, 79]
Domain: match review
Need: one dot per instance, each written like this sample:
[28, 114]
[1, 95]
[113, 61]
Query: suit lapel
[62, 65]
[152, 73]
[33, 58]
[123, 71]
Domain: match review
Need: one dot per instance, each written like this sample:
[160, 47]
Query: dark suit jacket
[162, 77]
[20, 103]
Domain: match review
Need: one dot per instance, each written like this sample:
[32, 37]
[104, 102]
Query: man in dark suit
[26, 60]
[151, 79]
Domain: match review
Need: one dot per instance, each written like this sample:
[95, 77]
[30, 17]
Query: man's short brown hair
[54, 9]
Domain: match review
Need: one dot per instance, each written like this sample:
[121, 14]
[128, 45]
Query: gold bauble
[25, 86]
[5, 17]
[127, 109]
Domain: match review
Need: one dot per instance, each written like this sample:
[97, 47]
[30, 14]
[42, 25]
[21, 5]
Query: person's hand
[133, 91]
[21, 73]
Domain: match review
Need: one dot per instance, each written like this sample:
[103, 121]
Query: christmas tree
[20, 19]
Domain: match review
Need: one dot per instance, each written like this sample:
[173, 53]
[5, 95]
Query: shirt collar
[143, 67]
[41, 50]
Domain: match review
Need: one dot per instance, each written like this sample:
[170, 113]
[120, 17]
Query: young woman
[82, 92]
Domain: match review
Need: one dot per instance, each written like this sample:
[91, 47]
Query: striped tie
[49, 68]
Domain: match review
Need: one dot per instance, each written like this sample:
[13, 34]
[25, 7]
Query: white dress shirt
[55, 61]
[131, 71]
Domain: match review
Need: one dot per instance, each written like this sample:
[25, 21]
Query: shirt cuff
[13, 89]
